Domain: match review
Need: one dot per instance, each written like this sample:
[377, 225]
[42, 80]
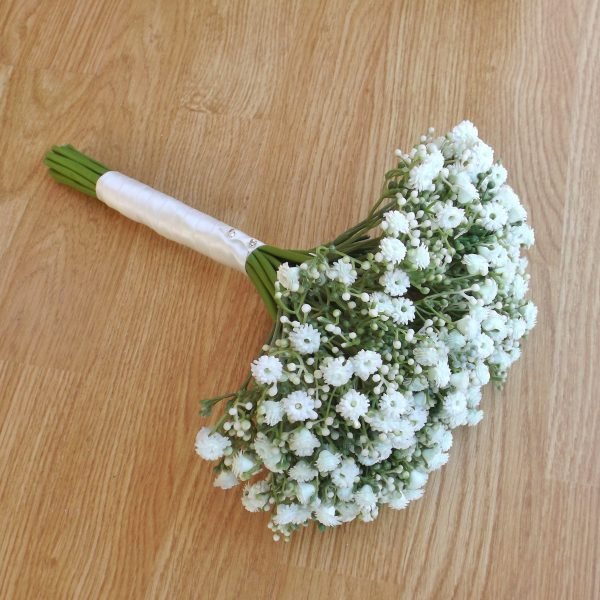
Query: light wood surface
[279, 117]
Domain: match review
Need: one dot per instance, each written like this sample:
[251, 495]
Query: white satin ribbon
[175, 220]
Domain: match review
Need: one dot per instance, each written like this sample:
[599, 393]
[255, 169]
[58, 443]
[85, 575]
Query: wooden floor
[279, 117]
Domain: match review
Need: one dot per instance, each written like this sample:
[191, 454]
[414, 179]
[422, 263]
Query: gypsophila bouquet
[382, 339]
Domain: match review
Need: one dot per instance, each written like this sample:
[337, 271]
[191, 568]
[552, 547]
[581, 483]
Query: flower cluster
[382, 344]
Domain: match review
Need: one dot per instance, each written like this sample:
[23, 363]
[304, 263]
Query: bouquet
[382, 339]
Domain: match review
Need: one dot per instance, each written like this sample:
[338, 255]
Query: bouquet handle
[175, 220]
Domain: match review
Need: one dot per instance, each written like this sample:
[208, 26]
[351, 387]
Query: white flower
[463, 136]
[421, 177]
[273, 412]
[393, 250]
[523, 235]
[482, 373]
[396, 282]
[305, 339]
[419, 257]
[327, 461]
[269, 453]
[352, 405]
[305, 492]
[243, 464]
[337, 371]
[256, 496]
[267, 369]
[325, 514]
[460, 380]
[434, 457]
[440, 373]
[403, 310]
[343, 272]
[365, 363]
[225, 480]
[465, 190]
[398, 501]
[303, 442]
[393, 404]
[469, 327]
[426, 355]
[302, 471]
[449, 216]
[289, 277]
[476, 264]
[299, 406]
[530, 312]
[346, 474]
[488, 290]
[395, 223]
[291, 514]
[493, 216]
[480, 158]
[365, 498]
[455, 406]
[416, 480]
[498, 174]
[211, 445]
[507, 198]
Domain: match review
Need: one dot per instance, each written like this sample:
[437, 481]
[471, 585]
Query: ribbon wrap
[175, 220]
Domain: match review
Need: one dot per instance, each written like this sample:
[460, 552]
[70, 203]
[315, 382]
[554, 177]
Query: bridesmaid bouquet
[382, 340]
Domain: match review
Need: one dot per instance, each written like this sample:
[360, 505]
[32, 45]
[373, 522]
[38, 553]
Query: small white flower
[305, 492]
[507, 198]
[419, 257]
[337, 371]
[523, 235]
[352, 405]
[403, 311]
[211, 445]
[434, 457]
[488, 290]
[267, 369]
[440, 373]
[465, 190]
[225, 480]
[493, 216]
[398, 501]
[499, 174]
[426, 355]
[305, 339]
[291, 514]
[449, 216]
[463, 136]
[343, 272]
[416, 480]
[289, 277]
[256, 496]
[325, 514]
[365, 363]
[243, 464]
[530, 313]
[395, 223]
[327, 461]
[393, 404]
[396, 282]
[476, 264]
[299, 406]
[365, 498]
[393, 250]
[273, 412]
[269, 453]
[302, 471]
[303, 442]
[346, 474]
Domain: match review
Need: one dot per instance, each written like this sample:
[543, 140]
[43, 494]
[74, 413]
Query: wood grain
[278, 117]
